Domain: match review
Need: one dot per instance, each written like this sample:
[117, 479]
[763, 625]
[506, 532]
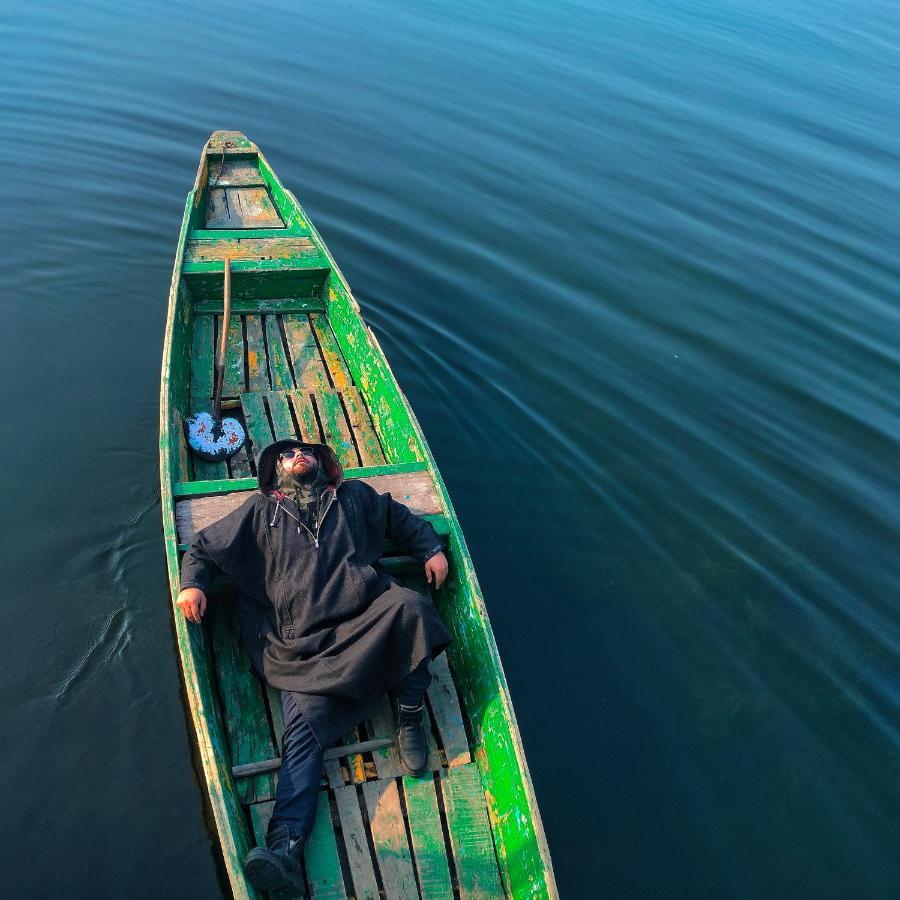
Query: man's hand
[436, 568]
[192, 602]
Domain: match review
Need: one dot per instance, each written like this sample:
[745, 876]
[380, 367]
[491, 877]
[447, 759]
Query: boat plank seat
[241, 207]
[415, 489]
[215, 250]
[234, 173]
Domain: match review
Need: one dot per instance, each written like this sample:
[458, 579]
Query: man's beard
[308, 476]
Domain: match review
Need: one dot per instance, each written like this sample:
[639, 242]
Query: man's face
[298, 461]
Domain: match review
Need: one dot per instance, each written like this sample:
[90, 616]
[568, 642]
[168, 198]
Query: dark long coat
[324, 622]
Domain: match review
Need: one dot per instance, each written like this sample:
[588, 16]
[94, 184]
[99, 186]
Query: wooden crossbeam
[272, 765]
[414, 489]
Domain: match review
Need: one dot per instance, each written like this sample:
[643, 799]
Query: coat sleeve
[216, 548]
[411, 533]
[198, 568]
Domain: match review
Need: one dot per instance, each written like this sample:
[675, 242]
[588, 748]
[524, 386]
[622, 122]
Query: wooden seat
[414, 489]
[241, 207]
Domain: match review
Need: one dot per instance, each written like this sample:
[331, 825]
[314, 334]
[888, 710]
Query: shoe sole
[268, 874]
[415, 773]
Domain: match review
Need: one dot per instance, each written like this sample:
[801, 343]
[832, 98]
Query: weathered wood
[255, 207]
[323, 866]
[246, 722]
[415, 489]
[279, 368]
[362, 872]
[447, 713]
[202, 372]
[234, 173]
[281, 416]
[272, 765]
[397, 432]
[249, 248]
[306, 416]
[217, 212]
[243, 234]
[309, 370]
[429, 848]
[213, 307]
[257, 361]
[220, 486]
[334, 423]
[258, 285]
[229, 143]
[389, 838]
[183, 468]
[331, 352]
[257, 424]
[470, 833]
[355, 764]
[202, 361]
[370, 452]
[334, 773]
[241, 207]
[234, 357]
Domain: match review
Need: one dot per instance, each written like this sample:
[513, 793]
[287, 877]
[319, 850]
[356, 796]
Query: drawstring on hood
[305, 492]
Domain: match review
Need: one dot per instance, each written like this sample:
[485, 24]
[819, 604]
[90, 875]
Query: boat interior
[378, 833]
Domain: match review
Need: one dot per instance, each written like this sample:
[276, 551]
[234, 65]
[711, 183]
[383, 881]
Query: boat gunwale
[216, 788]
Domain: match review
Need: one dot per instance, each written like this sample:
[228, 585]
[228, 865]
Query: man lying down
[321, 622]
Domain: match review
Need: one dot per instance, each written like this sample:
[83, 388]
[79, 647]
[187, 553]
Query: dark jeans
[301, 758]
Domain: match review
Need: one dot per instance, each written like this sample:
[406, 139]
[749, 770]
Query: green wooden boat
[302, 363]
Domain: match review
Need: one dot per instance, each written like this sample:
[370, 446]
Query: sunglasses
[290, 454]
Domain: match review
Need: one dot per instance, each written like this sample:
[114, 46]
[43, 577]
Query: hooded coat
[318, 616]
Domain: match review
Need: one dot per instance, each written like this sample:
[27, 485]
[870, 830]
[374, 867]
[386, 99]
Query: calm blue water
[635, 265]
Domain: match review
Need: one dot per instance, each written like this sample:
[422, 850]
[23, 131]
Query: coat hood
[269, 457]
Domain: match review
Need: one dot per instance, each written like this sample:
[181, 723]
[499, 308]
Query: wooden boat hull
[301, 357]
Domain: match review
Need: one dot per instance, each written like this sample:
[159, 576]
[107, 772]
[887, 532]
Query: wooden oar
[210, 436]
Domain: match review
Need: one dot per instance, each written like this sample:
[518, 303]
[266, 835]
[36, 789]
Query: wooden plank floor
[378, 833]
[289, 377]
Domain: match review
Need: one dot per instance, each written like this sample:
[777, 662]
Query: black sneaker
[411, 740]
[276, 867]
